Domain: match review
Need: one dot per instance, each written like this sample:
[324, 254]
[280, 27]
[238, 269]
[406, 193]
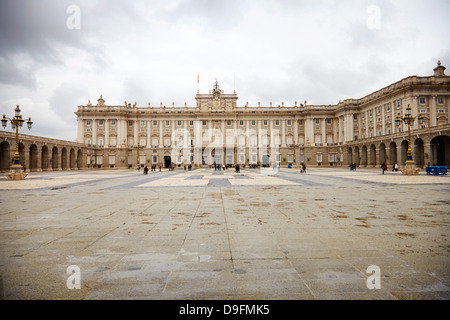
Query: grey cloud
[65, 98]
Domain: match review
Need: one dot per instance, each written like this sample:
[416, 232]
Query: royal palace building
[216, 130]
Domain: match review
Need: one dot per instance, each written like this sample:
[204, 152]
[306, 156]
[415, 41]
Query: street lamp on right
[408, 119]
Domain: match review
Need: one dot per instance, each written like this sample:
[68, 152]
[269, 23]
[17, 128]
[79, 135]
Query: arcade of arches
[429, 149]
[41, 154]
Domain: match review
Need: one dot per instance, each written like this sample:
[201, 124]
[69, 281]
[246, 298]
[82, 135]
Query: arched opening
[440, 151]
[392, 153]
[45, 164]
[419, 153]
[373, 155]
[64, 159]
[33, 157]
[22, 154]
[364, 156]
[356, 157]
[349, 156]
[55, 162]
[403, 152]
[79, 159]
[5, 158]
[382, 154]
[72, 159]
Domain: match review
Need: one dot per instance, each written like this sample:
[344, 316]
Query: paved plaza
[205, 234]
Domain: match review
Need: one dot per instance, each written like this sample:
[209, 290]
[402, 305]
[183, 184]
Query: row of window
[398, 103]
[204, 122]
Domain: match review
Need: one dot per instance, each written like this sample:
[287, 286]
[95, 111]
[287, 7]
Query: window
[241, 122]
[155, 159]
[423, 110]
[422, 100]
[167, 123]
[100, 122]
[179, 123]
[142, 123]
[378, 110]
[130, 123]
[399, 104]
[88, 122]
[289, 122]
[113, 123]
[228, 123]
[317, 121]
[277, 122]
[265, 122]
[204, 123]
[363, 116]
[388, 107]
[440, 100]
[191, 123]
[300, 122]
[319, 158]
[155, 123]
[166, 142]
[370, 113]
[329, 120]
[253, 122]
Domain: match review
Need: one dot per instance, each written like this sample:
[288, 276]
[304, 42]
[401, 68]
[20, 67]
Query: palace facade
[361, 131]
[354, 131]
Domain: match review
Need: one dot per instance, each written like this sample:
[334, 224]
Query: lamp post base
[16, 173]
[410, 168]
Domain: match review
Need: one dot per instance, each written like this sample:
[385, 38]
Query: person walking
[383, 167]
[304, 167]
[145, 169]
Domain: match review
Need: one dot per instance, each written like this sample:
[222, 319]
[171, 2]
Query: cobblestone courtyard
[205, 234]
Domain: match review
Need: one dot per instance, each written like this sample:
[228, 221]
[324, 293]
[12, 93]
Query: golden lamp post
[16, 123]
[408, 119]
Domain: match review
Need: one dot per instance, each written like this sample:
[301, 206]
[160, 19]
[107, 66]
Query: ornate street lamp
[408, 119]
[16, 123]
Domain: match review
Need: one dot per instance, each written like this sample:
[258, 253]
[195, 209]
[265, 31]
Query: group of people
[219, 167]
[153, 168]
[385, 168]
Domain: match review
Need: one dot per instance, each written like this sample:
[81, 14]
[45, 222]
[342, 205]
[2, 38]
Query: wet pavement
[207, 235]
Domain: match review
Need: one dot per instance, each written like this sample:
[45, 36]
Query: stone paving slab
[294, 236]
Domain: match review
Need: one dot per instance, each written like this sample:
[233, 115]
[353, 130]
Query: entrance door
[167, 161]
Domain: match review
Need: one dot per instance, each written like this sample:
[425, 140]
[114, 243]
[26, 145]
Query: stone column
[161, 142]
[107, 132]
[433, 111]
[149, 137]
[94, 131]
[324, 131]
[136, 132]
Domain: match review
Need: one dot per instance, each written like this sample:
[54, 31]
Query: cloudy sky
[58, 54]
